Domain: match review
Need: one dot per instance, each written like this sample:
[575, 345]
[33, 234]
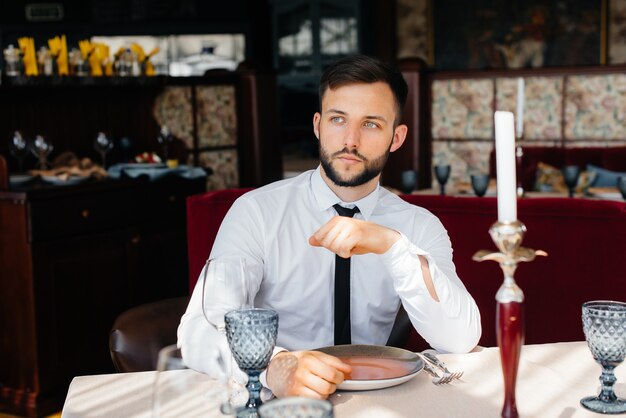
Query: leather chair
[139, 333]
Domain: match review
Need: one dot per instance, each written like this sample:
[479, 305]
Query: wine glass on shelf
[604, 325]
[180, 391]
[409, 181]
[103, 145]
[251, 335]
[18, 147]
[571, 173]
[41, 148]
[442, 173]
[165, 138]
[225, 288]
[621, 186]
[480, 184]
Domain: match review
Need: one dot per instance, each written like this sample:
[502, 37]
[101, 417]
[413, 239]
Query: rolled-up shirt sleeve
[453, 323]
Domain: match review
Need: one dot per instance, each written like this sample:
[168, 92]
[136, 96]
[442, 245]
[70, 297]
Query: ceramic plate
[375, 366]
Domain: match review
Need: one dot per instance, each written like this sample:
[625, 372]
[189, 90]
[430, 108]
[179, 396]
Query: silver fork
[447, 376]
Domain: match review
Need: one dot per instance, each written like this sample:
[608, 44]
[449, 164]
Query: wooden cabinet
[71, 259]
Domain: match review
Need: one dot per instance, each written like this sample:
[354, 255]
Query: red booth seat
[585, 240]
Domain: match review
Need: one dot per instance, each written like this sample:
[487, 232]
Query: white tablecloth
[552, 379]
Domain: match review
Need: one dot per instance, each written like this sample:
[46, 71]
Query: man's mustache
[347, 151]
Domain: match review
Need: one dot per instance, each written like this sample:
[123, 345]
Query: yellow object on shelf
[58, 48]
[27, 46]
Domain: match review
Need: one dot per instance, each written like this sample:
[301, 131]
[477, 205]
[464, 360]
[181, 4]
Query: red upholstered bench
[585, 240]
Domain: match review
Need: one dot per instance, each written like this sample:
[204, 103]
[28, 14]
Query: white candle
[519, 111]
[505, 167]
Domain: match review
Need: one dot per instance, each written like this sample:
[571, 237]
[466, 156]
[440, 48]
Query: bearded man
[341, 279]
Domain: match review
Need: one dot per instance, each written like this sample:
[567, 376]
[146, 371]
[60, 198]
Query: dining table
[551, 380]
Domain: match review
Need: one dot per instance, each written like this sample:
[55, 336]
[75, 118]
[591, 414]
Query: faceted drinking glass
[604, 324]
[296, 407]
[251, 335]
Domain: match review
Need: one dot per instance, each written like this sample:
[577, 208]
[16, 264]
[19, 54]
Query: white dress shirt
[270, 227]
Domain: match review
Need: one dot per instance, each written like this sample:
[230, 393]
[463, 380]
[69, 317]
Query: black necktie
[342, 289]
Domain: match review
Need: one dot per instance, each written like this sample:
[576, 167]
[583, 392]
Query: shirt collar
[326, 198]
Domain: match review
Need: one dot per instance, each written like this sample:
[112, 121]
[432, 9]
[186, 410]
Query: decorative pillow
[585, 181]
[604, 177]
[549, 179]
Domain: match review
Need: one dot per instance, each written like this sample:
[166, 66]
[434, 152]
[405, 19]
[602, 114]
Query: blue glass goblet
[604, 324]
[297, 407]
[570, 175]
[480, 183]
[442, 172]
[621, 186]
[409, 181]
[251, 335]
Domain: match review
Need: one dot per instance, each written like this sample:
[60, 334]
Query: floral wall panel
[225, 168]
[595, 107]
[173, 108]
[216, 116]
[462, 109]
[542, 105]
[465, 158]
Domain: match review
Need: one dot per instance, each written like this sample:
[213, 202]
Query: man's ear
[316, 124]
[399, 135]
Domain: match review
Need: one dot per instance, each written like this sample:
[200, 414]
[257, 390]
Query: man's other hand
[312, 374]
[346, 236]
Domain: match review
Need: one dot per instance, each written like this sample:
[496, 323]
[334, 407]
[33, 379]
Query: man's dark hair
[364, 69]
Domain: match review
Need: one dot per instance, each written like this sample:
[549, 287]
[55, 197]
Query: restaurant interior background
[236, 85]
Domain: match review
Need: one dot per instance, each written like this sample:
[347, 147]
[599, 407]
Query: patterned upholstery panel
[542, 107]
[224, 164]
[595, 107]
[216, 116]
[173, 108]
[465, 159]
[462, 109]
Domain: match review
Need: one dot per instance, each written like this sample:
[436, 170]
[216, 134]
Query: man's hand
[305, 373]
[347, 236]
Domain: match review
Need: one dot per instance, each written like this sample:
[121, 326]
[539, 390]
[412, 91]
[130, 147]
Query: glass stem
[254, 389]
[443, 190]
[607, 379]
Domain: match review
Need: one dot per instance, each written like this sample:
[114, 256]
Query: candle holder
[510, 302]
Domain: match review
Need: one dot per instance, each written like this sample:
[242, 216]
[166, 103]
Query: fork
[447, 376]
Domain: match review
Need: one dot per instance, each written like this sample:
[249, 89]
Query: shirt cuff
[403, 263]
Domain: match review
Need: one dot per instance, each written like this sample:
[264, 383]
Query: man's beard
[371, 168]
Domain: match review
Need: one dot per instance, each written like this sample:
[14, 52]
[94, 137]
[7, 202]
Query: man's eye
[337, 119]
[370, 125]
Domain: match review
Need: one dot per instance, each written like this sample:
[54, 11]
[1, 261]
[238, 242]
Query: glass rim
[602, 305]
[266, 312]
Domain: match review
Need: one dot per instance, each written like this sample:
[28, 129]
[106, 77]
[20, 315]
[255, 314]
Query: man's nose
[353, 137]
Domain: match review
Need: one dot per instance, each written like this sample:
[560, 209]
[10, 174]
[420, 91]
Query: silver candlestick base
[510, 302]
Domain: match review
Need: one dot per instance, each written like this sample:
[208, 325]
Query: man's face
[356, 132]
